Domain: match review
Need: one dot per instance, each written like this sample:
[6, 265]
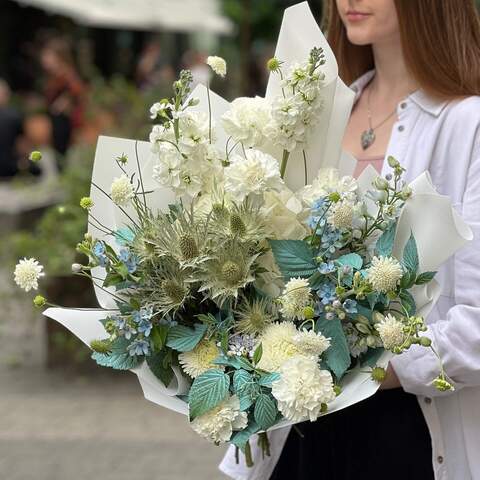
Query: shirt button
[440, 459]
[403, 105]
[401, 128]
[428, 400]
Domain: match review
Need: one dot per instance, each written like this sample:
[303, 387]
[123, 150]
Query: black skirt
[383, 437]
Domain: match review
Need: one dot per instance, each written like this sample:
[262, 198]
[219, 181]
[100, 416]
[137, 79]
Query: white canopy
[177, 15]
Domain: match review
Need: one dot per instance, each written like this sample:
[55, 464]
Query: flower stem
[264, 444]
[283, 166]
[248, 455]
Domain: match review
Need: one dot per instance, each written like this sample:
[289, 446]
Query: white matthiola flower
[158, 107]
[168, 168]
[295, 297]
[391, 332]
[121, 190]
[310, 343]
[256, 173]
[247, 120]
[194, 131]
[26, 274]
[302, 389]
[218, 424]
[200, 359]
[384, 274]
[218, 65]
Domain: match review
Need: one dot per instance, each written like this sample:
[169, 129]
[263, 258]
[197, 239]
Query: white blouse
[443, 138]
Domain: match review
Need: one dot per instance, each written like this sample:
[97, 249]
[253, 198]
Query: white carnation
[218, 424]
[302, 389]
[121, 190]
[247, 120]
[255, 174]
[310, 343]
[391, 332]
[26, 274]
[384, 274]
[218, 65]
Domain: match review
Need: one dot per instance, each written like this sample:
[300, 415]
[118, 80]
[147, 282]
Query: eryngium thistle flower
[384, 274]
[200, 359]
[188, 246]
[121, 191]
[391, 332]
[254, 317]
[302, 389]
[218, 424]
[295, 297]
[26, 274]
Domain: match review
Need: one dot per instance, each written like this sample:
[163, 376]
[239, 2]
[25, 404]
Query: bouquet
[235, 296]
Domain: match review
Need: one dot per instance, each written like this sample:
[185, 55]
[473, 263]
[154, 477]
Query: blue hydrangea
[142, 318]
[350, 306]
[99, 252]
[124, 327]
[327, 293]
[129, 259]
[326, 268]
[139, 347]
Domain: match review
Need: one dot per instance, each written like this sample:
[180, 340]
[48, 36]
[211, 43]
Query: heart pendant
[367, 139]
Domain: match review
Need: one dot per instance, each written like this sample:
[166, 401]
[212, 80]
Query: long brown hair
[440, 43]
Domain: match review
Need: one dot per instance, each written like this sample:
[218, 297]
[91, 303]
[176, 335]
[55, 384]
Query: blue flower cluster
[99, 252]
[129, 259]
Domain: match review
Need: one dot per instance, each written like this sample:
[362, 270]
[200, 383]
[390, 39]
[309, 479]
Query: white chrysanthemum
[302, 389]
[200, 359]
[384, 274]
[121, 190]
[310, 343]
[340, 214]
[391, 332]
[278, 345]
[295, 297]
[218, 65]
[26, 274]
[247, 120]
[218, 424]
[256, 173]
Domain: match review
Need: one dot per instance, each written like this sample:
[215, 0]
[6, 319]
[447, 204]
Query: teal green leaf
[353, 260]
[124, 235]
[410, 255]
[370, 357]
[337, 355]
[184, 339]
[316, 280]
[257, 354]
[245, 388]
[372, 299]
[160, 364]
[240, 439]
[159, 336]
[408, 302]
[425, 277]
[408, 279]
[384, 245]
[265, 411]
[207, 391]
[268, 379]
[293, 257]
[118, 358]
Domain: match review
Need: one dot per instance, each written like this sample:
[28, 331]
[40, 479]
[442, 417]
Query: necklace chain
[369, 113]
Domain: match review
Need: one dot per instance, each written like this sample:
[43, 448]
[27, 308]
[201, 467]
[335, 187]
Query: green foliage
[184, 339]
[294, 258]
[408, 302]
[425, 277]
[268, 379]
[207, 391]
[245, 388]
[337, 356]
[240, 439]
[353, 260]
[118, 358]
[370, 357]
[265, 411]
[384, 245]
[160, 364]
[410, 255]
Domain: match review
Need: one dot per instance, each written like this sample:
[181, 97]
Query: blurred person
[152, 68]
[10, 132]
[195, 62]
[64, 92]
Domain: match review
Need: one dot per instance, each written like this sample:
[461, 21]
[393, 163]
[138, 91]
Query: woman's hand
[391, 380]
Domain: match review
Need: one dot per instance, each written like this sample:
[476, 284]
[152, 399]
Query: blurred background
[71, 70]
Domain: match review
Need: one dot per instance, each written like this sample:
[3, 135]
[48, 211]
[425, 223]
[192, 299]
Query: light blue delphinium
[99, 252]
[139, 347]
[124, 327]
[129, 259]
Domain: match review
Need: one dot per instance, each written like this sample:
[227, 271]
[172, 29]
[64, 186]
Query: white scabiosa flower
[247, 120]
[278, 345]
[295, 297]
[384, 274]
[340, 215]
[26, 274]
[218, 424]
[121, 191]
[255, 174]
[391, 332]
[302, 389]
[200, 359]
[310, 343]
[218, 65]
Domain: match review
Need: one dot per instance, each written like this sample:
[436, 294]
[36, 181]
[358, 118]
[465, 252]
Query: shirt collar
[427, 103]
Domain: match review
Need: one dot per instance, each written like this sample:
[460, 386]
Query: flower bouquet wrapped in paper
[243, 279]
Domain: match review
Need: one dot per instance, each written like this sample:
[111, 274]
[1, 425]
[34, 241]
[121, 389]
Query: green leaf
[124, 235]
[118, 358]
[337, 355]
[265, 411]
[372, 299]
[244, 363]
[410, 255]
[257, 354]
[294, 258]
[384, 245]
[268, 379]
[425, 277]
[353, 260]
[112, 279]
[245, 388]
[316, 280]
[407, 280]
[408, 302]
[159, 336]
[207, 391]
[240, 439]
[160, 364]
[370, 357]
[183, 338]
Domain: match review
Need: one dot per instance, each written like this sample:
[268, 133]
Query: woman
[417, 69]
